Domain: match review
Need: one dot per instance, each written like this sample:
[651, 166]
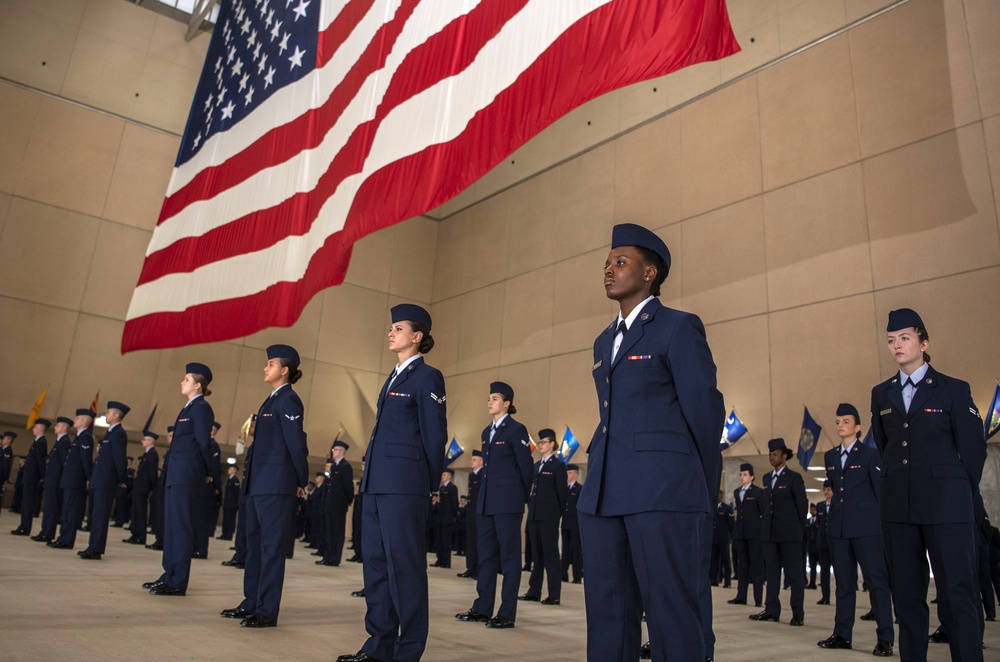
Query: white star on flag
[296, 58]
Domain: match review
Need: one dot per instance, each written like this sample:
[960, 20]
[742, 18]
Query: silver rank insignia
[438, 400]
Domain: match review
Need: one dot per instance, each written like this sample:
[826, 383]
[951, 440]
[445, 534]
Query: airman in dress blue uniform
[471, 523]
[549, 495]
[339, 493]
[189, 469]
[930, 434]
[75, 476]
[146, 475]
[854, 530]
[654, 465]
[52, 492]
[108, 475]
[447, 514]
[34, 472]
[504, 490]
[749, 504]
[572, 550]
[274, 476]
[402, 467]
[6, 458]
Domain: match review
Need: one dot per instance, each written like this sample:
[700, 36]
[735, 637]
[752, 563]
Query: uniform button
[605, 404]
[905, 461]
[605, 429]
[905, 425]
[904, 444]
[607, 380]
[841, 489]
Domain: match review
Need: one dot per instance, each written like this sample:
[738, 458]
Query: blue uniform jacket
[749, 513]
[190, 450]
[933, 455]
[570, 520]
[505, 480]
[110, 463]
[854, 511]
[340, 488]
[787, 508]
[56, 462]
[822, 522]
[231, 499]
[277, 462]
[146, 473]
[34, 463]
[406, 452]
[6, 462]
[79, 461]
[661, 418]
[550, 492]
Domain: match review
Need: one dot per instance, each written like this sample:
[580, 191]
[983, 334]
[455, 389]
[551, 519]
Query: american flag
[317, 122]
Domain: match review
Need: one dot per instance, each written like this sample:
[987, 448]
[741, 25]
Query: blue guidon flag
[732, 431]
[453, 451]
[808, 438]
[317, 122]
[992, 423]
[568, 446]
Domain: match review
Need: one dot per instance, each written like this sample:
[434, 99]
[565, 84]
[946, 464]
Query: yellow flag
[36, 409]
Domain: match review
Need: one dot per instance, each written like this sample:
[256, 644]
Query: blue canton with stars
[257, 47]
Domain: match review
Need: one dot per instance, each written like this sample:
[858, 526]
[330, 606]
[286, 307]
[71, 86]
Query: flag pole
[755, 446]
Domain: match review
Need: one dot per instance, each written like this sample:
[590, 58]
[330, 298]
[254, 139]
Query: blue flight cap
[120, 406]
[43, 421]
[411, 312]
[217, 425]
[450, 472]
[503, 389]
[85, 412]
[170, 428]
[283, 352]
[340, 444]
[776, 444]
[320, 473]
[63, 419]
[546, 433]
[903, 318]
[13, 435]
[746, 466]
[477, 453]
[199, 369]
[826, 483]
[151, 435]
[630, 234]
[572, 467]
[846, 408]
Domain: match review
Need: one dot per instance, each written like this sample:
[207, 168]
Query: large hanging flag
[36, 409]
[732, 431]
[808, 439]
[568, 446]
[317, 122]
[992, 423]
[453, 451]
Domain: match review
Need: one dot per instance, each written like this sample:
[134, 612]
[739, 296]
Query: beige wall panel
[717, 287]
[453, 206]
[18, 109]
[913, 74]
[27, 39]
[104, 73]
[168, 42]
[413, 259]
[991, 132]
[372, 260]
[66, 11]
[745, 14]
[530, 382]
[648, 174]
[502, 175]
[352, 327]
[304, 334]
[35, 348]
[467, 415]
[342, 399]
[5, 201]
[95, 363]
[983, 20]
[534, 207]
[672, 291]
[741, 350]
[165, 92]
[860, 8]
[114, 270]
[804, 22]
[45, 253]
[490, 229]
[450, 255]
[760, 45]
[131, 26]
[961, 318]
[930, 209]
[447, 317]
[821, 355]
[70, 157]
[573, 398]
[584, 127]
[808, 120]
[720, 149]
[641, 101]
[587, 188]
[139, 182]
[817, 239]
[527, 316]
[687, 83]
[480, 330]
[580, 308]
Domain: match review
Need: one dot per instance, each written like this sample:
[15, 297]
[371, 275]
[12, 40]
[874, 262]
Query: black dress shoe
[436, 564]
[811, 587]
[354, 559]
[645, 653]
[151, 585]
[358, 594]
[41, 538]
[577, 581]
[327, 563]
[550, 601]
[86, 527]
[360, 656]
[165, 589]
[870, 616]
[18, 532]
[235, 612]
[797, 622]
[58, 545]
[834, 641]
[257, 621]
[823, 601]
[232, 563]
[527, 597]
[132, 541]
[527, 567]
[199, 555]
[938, 637]
[317, 554]
[764, 616]
[736, 601]
[157, 546]
[882, 649]
[90, 556]
[499, 623]
[727, 585]
[472, 616]
[464, 574]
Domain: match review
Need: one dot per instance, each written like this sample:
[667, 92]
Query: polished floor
[55, 606]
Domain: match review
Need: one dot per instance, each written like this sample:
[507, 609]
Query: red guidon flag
[317, 122]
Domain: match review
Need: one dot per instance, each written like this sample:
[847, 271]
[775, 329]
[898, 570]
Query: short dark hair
[294, 374]
[653, 259]
[427, 341]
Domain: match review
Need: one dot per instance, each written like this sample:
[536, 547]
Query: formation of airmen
[651, 510]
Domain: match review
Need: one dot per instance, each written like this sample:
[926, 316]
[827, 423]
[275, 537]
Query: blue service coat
[146, 473]
[405, 454]
[550, 491]
[854, 510]
[932, 455]
[110, 464]
[506, 477]
[56, 462]
[6, 463]
[79, 461]
[277, 461]
[787, 508]
[749, 513]
[661, 418]
[191, 450]
[34, 462]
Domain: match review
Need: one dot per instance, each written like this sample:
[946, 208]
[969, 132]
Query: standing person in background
[6, 458]
[549, 495]
[144, 484]
[446, 514]
[108, 475]
[31, 479]
[572, 550]
[230, 503]
[748, 513]
[75, 477]
[403, 464]
[51, 489]
[208, 499]
[336, 502]
[159, 496]
[123, 496]
[930, 434]
[471, 525]
[721, 567]
[823, 544]
[274, 475]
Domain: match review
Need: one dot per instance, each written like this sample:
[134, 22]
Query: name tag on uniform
[597, 365]
[829, 468]
[885, 411]
[640, 357]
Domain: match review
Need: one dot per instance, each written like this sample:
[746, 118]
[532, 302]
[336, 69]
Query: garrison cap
[477, 453]
[283, 352]
[43, 421]
[846, 408]
[63, 419]
[411, 312]
[503, 389]
[120, 406]
[572, 467]
[199, 369]
[546, 433]
[903, 318]
[340, 444]
[630, 234]
[746, 466]
[85, 411]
